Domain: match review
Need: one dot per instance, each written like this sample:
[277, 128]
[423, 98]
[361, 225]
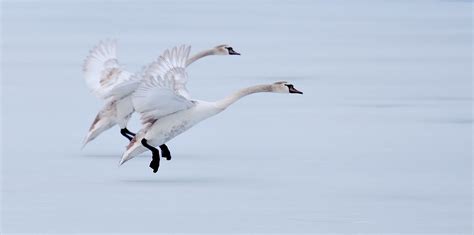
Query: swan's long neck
[200, 55]
[226, 102]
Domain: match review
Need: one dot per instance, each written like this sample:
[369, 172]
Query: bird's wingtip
[122, 161]
[87, 139]
[84, 143]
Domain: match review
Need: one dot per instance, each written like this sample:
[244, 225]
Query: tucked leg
[124, 133]
[165, 152]
[128, 132]
[155, 158]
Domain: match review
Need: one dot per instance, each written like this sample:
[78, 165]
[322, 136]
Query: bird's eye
[230, 48]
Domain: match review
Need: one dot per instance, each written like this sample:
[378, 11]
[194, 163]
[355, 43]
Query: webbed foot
[165, 152]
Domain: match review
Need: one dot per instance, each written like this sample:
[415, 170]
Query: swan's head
[285, 87]
[225, 50]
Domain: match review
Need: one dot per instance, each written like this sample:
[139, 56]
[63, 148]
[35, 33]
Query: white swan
[110, 82]
[167, 110]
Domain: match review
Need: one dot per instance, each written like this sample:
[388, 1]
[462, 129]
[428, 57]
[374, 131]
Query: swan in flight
[108, 81]
[167, 110]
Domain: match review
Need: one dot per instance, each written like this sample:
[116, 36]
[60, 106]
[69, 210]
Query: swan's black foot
[155, 158]
[125, 133]
[155, 165]
[129, 132]
[165, 152]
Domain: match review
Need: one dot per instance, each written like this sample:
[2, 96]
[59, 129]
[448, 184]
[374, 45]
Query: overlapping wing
[103, 74]
[163, 87]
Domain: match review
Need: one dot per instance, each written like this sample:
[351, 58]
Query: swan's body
[164, 129]
[167, 110]
[108, 81]
[115, 112]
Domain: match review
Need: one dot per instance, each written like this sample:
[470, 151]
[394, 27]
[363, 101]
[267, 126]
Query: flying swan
[108, 81]
[167, 110]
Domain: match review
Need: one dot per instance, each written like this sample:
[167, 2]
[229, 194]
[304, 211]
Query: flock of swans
[158, 93]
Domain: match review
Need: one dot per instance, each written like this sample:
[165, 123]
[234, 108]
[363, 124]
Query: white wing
[163, 89]
[103, 74]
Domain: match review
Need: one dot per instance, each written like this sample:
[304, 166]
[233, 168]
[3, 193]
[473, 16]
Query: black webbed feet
[126, 133]
[165, 152]
[129, 132]
[155, 158]
[154, 165]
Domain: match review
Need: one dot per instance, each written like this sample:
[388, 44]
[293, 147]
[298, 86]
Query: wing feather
[163, 89]
[103, 74]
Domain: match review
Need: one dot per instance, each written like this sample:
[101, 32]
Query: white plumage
[166, 108]
[163, 89]
[103, 74]
[107, 80]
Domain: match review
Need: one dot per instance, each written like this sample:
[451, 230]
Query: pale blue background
[380, 141]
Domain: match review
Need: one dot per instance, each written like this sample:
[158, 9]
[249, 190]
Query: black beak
[232, 52]
[293, 90]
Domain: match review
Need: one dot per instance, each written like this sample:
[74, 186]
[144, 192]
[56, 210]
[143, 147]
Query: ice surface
[379, 142]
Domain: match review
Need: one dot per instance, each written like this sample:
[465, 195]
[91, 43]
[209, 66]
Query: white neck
[226, 102]
[200, 55]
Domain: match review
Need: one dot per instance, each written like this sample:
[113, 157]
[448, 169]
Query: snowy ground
[379, 142]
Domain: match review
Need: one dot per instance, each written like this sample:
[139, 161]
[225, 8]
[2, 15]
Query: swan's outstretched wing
[163, 88]
[103, 74]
